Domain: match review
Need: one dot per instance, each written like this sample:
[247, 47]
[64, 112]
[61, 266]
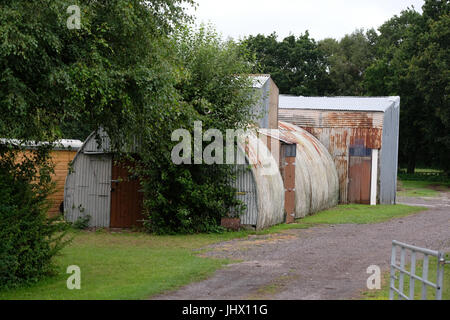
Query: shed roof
[380, 104]
[63, 144]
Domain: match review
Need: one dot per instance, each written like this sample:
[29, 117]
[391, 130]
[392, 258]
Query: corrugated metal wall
[337, 131]
[316, 178]
[88, 185]
[88, 189]
[246, 192]
[267, 180]
[389, 154]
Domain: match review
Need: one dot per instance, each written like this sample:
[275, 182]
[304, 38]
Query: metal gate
[424, 280]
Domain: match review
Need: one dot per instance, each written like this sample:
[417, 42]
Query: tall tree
[412, 62]
[117, 65]
[347, 61]
[296, 64]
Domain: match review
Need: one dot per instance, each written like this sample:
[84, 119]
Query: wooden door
[359, 174]
[126, 199]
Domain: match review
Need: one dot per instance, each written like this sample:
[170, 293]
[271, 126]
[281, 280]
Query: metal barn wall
[88, 185]
[337, 130]
[389, 154]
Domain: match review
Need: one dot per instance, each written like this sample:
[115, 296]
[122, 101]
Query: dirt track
[326, 262]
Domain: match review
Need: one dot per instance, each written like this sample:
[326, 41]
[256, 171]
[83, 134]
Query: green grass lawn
[413, 188]
[383, 293]
[360, 214]
[137, 266]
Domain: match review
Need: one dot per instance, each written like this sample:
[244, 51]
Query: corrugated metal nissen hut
[271, 194]
[361, 134]
[102, 188]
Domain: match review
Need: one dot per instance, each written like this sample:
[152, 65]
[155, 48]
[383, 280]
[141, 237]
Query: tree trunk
[411, 164]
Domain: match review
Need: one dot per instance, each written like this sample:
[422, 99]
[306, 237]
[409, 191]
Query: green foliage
[117, 66]
[28, 240]
[82, 222]
[193, 198]
[347, 61]
[412, 58]
[296, 64]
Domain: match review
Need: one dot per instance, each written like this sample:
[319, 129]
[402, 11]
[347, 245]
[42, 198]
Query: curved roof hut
[101, 188]
[259, 184]
[316, 179]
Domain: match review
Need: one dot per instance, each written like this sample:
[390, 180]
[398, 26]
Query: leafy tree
[116, 66]
[193, 198]
[296, 64]
[430, 70]
[412, 62]
[348, 60]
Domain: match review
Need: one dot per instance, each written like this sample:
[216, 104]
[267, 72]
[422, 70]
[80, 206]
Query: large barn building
[361, 134]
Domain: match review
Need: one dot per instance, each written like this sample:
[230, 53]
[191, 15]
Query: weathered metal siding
[88, 189]
[316, 178]
[389, 154]
[331, 119]
[88, 185]
[267, 180]
[267, 106]
[97, 143]
[246, 192]
[337, 130]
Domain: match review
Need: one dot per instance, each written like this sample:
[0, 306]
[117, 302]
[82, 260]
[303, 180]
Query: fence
[424, 280]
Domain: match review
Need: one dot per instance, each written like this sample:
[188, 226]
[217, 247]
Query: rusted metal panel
[288, 159]
[359, 179]
[338, 142]
[332, 119]
[339, 122]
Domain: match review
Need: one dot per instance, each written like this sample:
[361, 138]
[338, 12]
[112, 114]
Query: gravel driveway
[326, 262]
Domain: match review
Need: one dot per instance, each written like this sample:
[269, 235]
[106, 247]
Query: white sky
[323, 18]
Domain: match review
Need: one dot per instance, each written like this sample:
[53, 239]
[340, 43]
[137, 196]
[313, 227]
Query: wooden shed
[361, 134]
[62, 154]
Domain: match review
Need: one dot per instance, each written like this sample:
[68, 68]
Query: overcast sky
[323, 18]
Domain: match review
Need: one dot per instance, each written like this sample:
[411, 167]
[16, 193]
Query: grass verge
[137, 266]
[413, 188]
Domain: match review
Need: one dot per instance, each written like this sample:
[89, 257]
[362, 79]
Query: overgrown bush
[214, 89]
[28, 239]
[82, 222]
